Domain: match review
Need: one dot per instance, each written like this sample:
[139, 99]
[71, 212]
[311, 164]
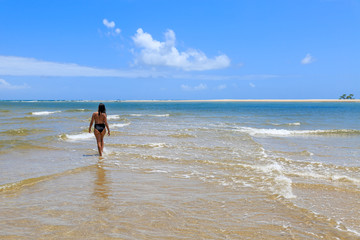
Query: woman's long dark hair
[101, 109]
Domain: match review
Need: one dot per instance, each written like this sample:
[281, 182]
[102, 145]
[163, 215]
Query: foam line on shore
[285, 132]
[32, 181]
[44, 113]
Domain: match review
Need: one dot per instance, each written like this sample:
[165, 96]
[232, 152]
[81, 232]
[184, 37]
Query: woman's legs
[102, 139]
[98, 141]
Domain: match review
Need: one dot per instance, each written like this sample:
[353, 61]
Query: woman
[99, 129]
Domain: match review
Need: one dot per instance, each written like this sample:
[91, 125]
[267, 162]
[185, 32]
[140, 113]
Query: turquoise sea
[180, 170]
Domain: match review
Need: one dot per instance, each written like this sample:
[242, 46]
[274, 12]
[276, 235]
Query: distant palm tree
[343, 96]
[350, 96]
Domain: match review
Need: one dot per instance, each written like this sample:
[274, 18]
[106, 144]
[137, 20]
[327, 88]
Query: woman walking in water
[99, 129]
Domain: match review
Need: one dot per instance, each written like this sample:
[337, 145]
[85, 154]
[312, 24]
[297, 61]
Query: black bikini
[100, 127]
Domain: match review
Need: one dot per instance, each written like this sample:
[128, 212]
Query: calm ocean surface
[172, 170]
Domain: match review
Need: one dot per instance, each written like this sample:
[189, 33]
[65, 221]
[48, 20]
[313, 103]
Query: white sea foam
[157, 171]
[106, 152]
[286, 124]
[281, 184]
[149, 115]
[119, 125]
[112, 117]
[345, 178]
[285, 133]
[353, 231]
[159, 115]
[324, 175]
[308, 174]
[157, 145]
[42, 113]
[182, 176]
[79, 137]
[266, 132]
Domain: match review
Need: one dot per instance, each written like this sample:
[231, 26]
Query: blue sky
[161, 49]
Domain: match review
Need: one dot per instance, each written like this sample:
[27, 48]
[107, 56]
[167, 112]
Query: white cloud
[195, 88]
[165, 53]
[111, 27]
[307, 59]
[5, 85]
[108, 24]
[20, 66]
[252, 85]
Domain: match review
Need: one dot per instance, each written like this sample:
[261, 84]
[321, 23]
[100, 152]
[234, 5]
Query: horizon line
[187, 100]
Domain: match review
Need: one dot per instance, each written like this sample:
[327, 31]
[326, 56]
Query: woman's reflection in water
[101, 188]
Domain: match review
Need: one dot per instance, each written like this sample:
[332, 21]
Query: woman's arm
[91, 123]
[106, 124]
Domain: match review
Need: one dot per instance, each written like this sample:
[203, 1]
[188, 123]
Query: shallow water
[181, 170]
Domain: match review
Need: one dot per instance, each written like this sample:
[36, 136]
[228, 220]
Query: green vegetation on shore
[350, 96]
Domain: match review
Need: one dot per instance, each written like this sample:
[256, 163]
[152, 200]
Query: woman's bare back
[99, 119]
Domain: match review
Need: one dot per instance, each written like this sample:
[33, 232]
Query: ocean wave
[14, 145]
[23, 131]
[344, 178]
[182, 135]
[78, 110]
[76, 137]
[43, 113]
[335, 132]
[159, 115]
[157, 171]
[112, 117]
[280, 184]
[27, 118]
[285, 132]
[119, 125]
[157, 145]
[294, 124]
[149, 115]
[148, 145]
[301, 153]
[286, 124]
[329, 176]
